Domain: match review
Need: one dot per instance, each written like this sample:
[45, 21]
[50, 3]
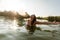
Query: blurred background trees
[20, 18]
[54, 18]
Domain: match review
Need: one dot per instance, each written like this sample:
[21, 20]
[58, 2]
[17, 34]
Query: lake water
[9, 30]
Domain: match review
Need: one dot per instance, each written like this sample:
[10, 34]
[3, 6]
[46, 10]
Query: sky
[38, 7]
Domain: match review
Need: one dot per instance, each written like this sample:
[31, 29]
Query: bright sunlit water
[9, 30]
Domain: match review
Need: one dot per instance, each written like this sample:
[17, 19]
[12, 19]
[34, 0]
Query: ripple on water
[9, 31]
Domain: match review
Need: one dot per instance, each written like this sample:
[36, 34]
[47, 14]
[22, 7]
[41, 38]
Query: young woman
[31, 24]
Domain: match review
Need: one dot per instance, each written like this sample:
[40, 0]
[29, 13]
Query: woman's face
[32, 17]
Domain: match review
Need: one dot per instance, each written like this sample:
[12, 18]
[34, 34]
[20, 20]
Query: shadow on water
[35, 36]
[2, 36]
[19, 35]
[25, 36]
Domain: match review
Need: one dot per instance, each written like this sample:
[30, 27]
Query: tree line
[54, 18]
[50, 18]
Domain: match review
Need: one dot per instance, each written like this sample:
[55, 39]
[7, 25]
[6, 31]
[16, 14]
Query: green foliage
[51, 18]
[54, 18]
[39, 17]
[57, 18]
[45, 18]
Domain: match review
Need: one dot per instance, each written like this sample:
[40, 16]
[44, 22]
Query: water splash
[9, 30]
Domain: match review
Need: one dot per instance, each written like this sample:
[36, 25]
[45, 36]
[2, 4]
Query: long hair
[34, 19]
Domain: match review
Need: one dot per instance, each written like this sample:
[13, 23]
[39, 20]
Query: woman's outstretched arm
[37, 22]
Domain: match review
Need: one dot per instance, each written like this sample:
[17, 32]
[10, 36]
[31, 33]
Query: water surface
[9, 30]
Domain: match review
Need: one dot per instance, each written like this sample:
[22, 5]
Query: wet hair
[34, 19]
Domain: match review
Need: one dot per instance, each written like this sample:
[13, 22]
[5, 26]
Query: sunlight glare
[15, 5]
